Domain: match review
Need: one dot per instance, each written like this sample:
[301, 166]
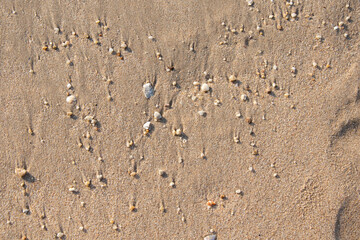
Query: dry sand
[296, 164]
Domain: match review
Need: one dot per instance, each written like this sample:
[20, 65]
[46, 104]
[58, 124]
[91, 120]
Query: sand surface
[274, 154]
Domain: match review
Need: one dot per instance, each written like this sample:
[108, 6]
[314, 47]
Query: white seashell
[71, 99]
[157, 116]
[147, 126]
[210, 237]
[148, 90]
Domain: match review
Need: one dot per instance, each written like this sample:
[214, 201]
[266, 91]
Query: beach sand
[259, 130]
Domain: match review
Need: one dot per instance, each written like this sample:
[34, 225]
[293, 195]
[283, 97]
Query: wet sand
[256, 134]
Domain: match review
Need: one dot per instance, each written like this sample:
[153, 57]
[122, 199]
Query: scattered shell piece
[196, 83]
[177, 132]
[60, 235]
[157, 116]
[210, 237]
[162, 173]
[202, 113]
[205, 88]
[238, 115]
[172, 184]
[250, 2]
[71, 99]
[210, 203]
[251, 169]
[148, 90]
[217, 102]
[130, 143]
[123, 45]
[243, 97]
[111, 50]
[232, 78]
[238, 191]
[21, 172]
[276, 175]
[73, 190]
[147, 126]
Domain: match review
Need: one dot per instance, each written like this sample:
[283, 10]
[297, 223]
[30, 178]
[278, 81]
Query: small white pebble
[238, 114]
[71, 99]
[172, 184]
[81, 228]
[275, 67]
[56, 30]
[60, 235]
[196, 83]
[243, 97]
[157, 116]
[72, 189]
[210, 237]
[251, 169]
[293, 15]
[205, 87]
[202, 113]
[336, 28]
[69, 86]
[250, 2]
[111, 50]
[148, 90]
[238, 191]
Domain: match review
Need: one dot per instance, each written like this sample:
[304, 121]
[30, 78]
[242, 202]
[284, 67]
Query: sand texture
[180, 119]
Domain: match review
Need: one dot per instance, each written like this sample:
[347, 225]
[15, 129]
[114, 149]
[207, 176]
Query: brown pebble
[248, 120]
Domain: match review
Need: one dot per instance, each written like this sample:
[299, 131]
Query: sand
[271, 154]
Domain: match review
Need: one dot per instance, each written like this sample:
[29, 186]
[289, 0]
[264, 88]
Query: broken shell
[232, 78]
[21, 172]
[202, 113]
[243, 97]
[148, 90]
[147, 126]
[157, 116]
[71, 99]
[210, 237]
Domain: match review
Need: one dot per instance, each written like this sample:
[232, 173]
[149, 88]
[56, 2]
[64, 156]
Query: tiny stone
[111, 50]
[69, 86]
[238, 114]
[172, 184]
[196, 83]
[148, 90]
[251, 169]
[243, 97]
[81, 228]
[276, 175]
